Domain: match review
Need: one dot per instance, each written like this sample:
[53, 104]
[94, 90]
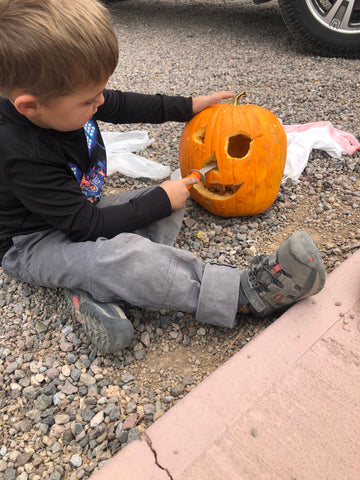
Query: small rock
[100, 448]
[188, 381]
[48, 420]
[11, 368]
[133, 435]
[10, 474]
[168, 399]
[75, 374]
[149, 409]
[43, 402]
[22, 459]
[62, 419]
[127, 377]
[114, 413]
[71, 358]
[87, 414]
[66, 370]
[69, 388]
[56, 448]
[76, 461]
[76, 428]
[97, 419]
[131, 407]
[68, 437]
[57, 431]
[52, 373]
[66, 346]
[22, 476]
[251, 251]
[41, 327]
[145, 338]
[66, 330]
[176, 390]
[24, 426]
[112, 391]
[87, 379]
[58, 396]
[140, 354]
[123, 436]
[130, 421]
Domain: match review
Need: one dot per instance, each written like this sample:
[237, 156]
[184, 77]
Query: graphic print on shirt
[92, 181]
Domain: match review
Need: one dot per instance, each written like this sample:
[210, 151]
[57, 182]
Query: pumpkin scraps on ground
[248, 144]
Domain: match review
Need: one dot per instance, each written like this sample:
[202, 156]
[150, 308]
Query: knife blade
[200, 173]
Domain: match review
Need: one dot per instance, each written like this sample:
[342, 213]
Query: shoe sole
[108, 336]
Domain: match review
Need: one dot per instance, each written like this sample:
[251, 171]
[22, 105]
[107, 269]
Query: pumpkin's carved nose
[199, 136]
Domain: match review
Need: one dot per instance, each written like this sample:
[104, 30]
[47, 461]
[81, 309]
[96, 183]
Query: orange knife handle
[195, 174]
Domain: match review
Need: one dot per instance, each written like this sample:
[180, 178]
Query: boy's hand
[177, 191]
[204, 101]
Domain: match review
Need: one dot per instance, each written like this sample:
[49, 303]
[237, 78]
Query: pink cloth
[345, 140]
[302, 139]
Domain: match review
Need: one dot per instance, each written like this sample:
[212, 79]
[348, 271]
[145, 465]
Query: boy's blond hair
[52, 48]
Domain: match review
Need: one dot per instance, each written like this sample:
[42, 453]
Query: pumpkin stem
[236, 100]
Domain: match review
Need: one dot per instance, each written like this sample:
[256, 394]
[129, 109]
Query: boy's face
[70, 112]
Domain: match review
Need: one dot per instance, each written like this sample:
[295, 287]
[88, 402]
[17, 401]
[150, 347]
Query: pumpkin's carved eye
[199, 136]
[238, 145]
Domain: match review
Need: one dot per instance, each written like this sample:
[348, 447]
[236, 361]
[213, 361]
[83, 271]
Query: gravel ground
[64, 407]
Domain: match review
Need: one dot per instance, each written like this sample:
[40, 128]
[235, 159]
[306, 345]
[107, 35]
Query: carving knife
[200, 174]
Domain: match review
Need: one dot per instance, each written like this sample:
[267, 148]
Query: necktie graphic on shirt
[92, 181]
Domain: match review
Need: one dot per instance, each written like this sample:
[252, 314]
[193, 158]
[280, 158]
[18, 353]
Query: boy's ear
[27, 104]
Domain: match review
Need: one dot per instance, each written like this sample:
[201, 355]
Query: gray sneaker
[105, 324]
[293, 272]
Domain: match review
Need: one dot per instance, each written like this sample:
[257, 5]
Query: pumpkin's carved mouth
[222, 190]
[217, 191]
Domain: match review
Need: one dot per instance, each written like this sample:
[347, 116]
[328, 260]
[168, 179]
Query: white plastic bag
[120, 148]
[302, 139]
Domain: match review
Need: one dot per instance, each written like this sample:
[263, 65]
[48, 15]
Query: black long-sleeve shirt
[42, 172]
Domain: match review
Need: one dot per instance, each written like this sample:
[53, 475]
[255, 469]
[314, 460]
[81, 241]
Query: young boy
[56, 229]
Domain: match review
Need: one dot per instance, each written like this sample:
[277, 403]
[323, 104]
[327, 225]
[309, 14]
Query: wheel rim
[342, 16]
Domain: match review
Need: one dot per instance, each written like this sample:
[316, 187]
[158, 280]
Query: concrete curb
[195, 424]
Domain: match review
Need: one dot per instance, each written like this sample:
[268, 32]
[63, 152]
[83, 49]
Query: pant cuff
[219, 294]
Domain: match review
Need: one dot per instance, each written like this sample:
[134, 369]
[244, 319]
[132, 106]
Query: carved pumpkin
[248, 144]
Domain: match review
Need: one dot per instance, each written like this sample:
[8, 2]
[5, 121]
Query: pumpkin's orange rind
[248, 144]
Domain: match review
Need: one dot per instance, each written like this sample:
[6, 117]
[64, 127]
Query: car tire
[322, 30]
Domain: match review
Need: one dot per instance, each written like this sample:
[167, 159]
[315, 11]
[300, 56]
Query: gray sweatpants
[143, 268]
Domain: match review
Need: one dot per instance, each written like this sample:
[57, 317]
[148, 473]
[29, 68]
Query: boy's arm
[128, 107]
[49, 196]
[204, 101]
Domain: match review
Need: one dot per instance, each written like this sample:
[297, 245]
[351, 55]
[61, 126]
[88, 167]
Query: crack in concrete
[149, 442]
